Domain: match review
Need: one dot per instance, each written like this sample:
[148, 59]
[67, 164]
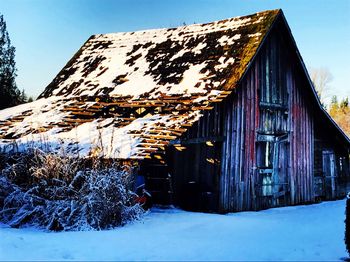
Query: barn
[217, 117]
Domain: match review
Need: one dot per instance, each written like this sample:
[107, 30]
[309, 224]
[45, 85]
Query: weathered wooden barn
[220, 116]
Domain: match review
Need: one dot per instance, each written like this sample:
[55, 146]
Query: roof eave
[259, 47]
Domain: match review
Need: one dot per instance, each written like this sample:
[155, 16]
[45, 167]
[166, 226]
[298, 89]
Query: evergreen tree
[334, 106]
[334, 100]
[340, 112]
[344, 103]
[9, 93]
[23, 97]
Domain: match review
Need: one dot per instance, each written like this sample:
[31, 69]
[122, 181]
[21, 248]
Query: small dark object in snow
[143, 197]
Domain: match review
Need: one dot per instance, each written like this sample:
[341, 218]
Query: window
[265, 154]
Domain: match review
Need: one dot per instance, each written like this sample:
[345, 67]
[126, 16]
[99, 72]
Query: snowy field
[313, 232]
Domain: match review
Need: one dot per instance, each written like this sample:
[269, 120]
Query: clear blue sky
[46, 33]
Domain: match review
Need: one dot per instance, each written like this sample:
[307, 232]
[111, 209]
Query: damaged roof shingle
[144, 82]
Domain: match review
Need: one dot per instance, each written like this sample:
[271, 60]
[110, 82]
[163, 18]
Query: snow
[225, 40]
[308, 233]
[189, 81]
[36, 106]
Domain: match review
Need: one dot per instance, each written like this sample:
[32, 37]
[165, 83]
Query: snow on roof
[126, 95]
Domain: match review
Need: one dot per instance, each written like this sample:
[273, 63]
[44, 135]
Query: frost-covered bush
[34, 166]
[57, 193]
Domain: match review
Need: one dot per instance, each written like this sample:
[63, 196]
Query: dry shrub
[61, 193]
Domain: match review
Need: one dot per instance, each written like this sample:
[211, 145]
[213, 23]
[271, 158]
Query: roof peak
[191, 26]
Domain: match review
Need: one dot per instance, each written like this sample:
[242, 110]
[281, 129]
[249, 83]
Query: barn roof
[126, 95]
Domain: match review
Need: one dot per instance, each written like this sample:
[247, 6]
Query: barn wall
[301, 138]
[238, 161]
[269, 107]
[258, 148]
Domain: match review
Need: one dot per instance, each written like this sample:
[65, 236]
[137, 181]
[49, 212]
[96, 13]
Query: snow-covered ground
[313, 232]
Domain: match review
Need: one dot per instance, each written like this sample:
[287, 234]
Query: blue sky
[46, 33]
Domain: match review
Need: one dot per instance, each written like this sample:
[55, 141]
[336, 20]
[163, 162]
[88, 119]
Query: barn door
[329, 172]
[273, 169]
[281, 170]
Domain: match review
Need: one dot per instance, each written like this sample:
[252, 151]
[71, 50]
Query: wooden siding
[238, 162]
[301, 139]
[271, 103]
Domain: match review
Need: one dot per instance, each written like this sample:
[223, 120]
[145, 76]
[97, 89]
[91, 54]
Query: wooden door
[281, 170]
[273, 170]
[329, 172]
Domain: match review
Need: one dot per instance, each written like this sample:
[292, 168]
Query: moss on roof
[165, 55]
[139, 90]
